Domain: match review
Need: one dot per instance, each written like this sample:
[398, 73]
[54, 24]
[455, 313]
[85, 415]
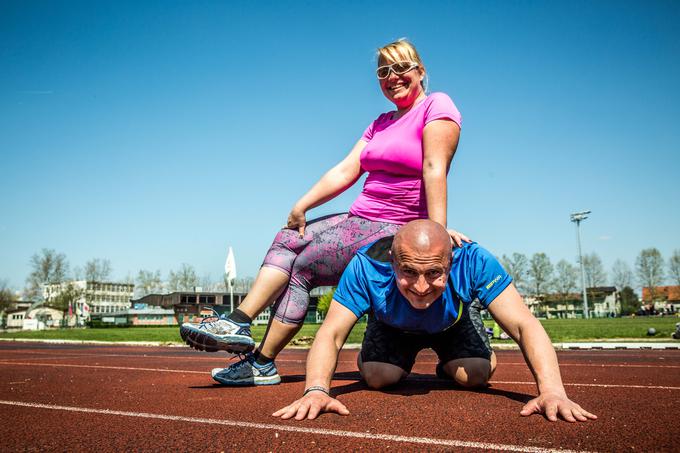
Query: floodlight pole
[577, 218]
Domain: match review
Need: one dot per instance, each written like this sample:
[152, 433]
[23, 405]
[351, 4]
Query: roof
[667, 293]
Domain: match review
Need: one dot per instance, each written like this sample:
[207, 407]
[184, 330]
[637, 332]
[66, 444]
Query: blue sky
[160, 133]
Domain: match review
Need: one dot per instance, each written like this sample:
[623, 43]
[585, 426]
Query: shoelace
[242, 362]
[210, 320]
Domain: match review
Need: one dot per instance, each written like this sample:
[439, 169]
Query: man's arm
[514, 317]
[321, 362]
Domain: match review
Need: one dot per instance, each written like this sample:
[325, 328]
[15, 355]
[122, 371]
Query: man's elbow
[329, 336]
[529, 328]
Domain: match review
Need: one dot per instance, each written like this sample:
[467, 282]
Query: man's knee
[471, 372]
[378, 375]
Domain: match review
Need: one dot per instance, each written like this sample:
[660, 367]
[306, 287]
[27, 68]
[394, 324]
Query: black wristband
[316, 387]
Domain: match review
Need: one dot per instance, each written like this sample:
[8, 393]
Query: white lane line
[298, 429]
[228, 359]
[147, 356]
[63, 357]
[623, 386]
[166, 370]
[593, 365]
[103, 367]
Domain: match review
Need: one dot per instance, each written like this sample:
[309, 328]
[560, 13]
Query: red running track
[121, 398]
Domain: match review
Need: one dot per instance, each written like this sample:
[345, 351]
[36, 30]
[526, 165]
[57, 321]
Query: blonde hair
[401, 50]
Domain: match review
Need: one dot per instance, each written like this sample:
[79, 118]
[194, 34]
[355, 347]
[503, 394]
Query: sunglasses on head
[399, 68]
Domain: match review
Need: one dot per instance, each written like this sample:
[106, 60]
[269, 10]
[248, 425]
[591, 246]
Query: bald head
[421, 237]
[421, 259]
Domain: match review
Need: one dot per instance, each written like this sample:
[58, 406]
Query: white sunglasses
[399, 68]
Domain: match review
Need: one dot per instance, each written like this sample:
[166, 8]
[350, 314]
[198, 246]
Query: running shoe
[247, 372]
[217, 333]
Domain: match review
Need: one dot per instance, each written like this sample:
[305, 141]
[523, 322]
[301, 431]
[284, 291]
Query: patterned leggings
[318, 258]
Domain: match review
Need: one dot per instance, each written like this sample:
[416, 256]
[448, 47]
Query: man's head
[421, 258]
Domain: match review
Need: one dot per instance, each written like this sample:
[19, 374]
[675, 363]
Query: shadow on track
[414, 384]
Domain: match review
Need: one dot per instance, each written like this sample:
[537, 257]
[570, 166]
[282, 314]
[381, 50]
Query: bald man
[417, 294]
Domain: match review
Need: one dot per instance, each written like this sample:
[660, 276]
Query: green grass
[160, 334]
[559, 330]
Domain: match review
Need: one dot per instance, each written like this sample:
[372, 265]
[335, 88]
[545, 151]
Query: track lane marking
[145, 356]
[103, 367]
[166, 370]
[297, 429]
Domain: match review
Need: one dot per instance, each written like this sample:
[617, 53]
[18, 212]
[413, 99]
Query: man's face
[421, 275]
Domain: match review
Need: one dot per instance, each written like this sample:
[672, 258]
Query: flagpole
[230, 274]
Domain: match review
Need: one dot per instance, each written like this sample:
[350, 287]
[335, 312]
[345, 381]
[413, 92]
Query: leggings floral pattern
[318, 258]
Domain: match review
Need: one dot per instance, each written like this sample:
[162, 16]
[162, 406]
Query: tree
[184, 279]
[325, 302]
[7, 297]
[565, 281]
[97, 270]
[540, 273]
[67, 297]
[595, 274]
[47, 266]
[148, 282]
[517, 266]
[241, 284]
[622, 276]
[649, 269]
[629, 301]
[674, 267]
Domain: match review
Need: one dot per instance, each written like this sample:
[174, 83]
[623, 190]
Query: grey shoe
[247, 372]
[218, 335]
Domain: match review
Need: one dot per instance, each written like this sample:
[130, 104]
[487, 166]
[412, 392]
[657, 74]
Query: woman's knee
[378, 375]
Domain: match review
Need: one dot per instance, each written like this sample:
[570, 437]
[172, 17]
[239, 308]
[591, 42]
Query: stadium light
[577, 218]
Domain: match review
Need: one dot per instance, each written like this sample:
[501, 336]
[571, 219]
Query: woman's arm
[440, 140]
[333, 183]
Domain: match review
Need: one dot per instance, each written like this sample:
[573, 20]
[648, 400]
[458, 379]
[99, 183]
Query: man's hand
[552, 404]
[310, 406]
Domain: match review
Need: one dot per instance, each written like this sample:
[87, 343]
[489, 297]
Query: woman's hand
[297, 219]
[458, 238]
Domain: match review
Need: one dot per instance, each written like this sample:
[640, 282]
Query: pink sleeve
[368, 133]
[441, 106]
[370, 130]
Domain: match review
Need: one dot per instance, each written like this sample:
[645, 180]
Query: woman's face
[402, 90]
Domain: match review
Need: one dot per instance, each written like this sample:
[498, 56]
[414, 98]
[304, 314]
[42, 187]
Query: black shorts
[465, 339]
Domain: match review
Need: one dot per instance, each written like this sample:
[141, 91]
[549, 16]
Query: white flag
[230, 267]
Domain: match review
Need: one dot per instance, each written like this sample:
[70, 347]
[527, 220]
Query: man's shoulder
[471, 249]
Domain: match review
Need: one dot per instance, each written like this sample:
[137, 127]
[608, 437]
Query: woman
[407, 153]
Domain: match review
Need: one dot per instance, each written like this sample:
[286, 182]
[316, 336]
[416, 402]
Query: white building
[37, 318]
[94, 297]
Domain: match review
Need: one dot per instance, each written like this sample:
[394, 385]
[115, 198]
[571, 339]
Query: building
[15, 318]
[138, 316]
[192, 306]
[664, 299]
[36, 318]
[602, 303]
[93, 297]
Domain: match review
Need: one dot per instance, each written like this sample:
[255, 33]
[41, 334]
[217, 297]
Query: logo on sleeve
[493, 282]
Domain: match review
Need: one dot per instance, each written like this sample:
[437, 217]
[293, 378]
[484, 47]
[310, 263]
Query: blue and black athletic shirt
[368, 284]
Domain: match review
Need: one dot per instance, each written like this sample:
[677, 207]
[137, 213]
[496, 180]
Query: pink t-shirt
[393, 156]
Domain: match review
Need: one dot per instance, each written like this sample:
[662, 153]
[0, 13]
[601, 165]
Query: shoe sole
[235, 344]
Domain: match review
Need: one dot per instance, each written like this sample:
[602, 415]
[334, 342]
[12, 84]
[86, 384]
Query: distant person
[417, 293]
[407, 153]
